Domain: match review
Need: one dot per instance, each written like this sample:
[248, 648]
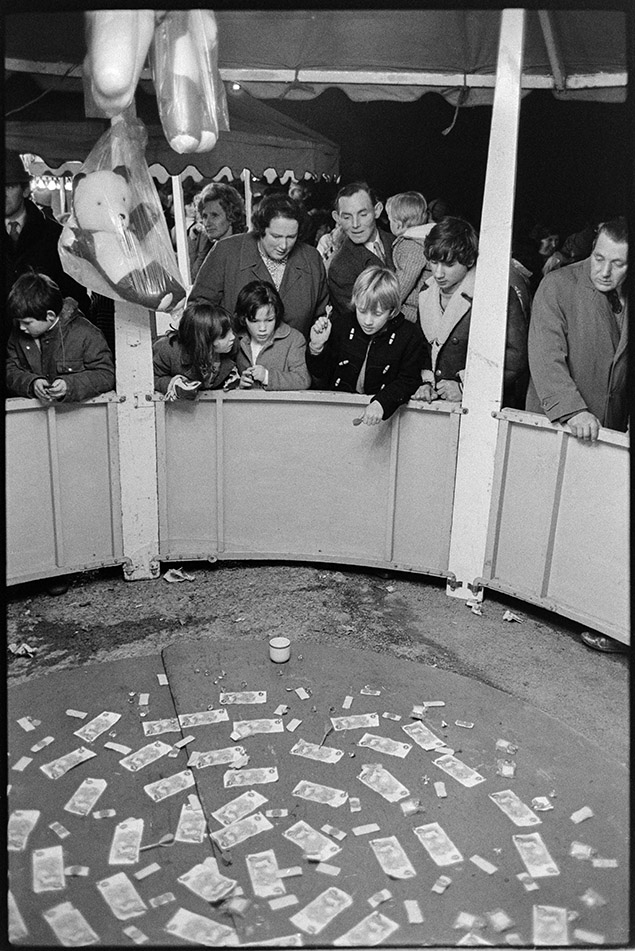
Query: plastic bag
[116, 240]
[190, 92]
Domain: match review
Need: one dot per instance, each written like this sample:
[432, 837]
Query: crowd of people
[357, 299]
[378, 302]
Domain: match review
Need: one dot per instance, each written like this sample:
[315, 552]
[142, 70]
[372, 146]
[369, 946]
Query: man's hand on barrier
[584, 426]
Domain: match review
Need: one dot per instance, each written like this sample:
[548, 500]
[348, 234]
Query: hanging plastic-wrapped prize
[190, 93]
[116, 240]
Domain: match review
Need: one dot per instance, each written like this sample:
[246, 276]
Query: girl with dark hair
[198, 355]
[269, 252]
[271, 354]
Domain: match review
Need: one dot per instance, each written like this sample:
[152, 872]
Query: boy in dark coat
[54, 352]
[375, 350]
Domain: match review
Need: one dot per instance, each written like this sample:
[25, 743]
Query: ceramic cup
[279, 649]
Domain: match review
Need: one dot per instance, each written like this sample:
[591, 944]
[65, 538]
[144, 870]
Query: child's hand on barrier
[373, 414]
[58, 389]
[41, 390]
[450, 390]
[425, 392]
[246, 379]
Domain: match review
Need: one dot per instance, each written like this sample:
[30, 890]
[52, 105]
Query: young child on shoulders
[271, 354]
[198, 355]
[408, 216]
[375, 350]
[54, 353]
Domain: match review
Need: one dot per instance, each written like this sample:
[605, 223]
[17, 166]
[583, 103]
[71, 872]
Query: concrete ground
[539, 659]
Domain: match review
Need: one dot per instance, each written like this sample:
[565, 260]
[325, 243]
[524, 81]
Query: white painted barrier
[287, 476]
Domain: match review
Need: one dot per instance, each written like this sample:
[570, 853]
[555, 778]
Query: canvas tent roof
[377, 54]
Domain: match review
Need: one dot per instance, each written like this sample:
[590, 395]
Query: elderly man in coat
[578, 350]
[578, 339]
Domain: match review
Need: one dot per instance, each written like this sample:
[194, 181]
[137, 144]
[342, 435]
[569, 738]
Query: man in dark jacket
[30, 237]
[375, 350]
[364, 245]
[53, 352]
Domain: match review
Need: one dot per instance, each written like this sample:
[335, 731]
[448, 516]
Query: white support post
[182, 255]
[137, 442]
[246, 177]
[484, 371]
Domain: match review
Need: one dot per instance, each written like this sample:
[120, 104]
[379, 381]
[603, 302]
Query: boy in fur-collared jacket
[53, 353]
[375, 351]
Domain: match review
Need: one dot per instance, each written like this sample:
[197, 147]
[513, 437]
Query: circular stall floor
[342, 798]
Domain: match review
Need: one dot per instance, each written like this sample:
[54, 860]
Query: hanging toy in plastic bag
[116, 240]
[190, 93]
[117, 42]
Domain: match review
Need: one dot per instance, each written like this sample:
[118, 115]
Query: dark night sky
[574, 157]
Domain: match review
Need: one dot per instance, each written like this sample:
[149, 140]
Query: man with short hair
[30, 237]
[356, 212]
[578, 351]
[578, 339]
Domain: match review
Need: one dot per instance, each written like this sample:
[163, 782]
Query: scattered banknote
[163, 788]
[21, 824]
[422, 736]
[246, 696]
[48, 869]
[250, 727]
[315, 792]
[264, 874]
[192, 823]
[206, 881]
[356, 722]
[122, 897]
[286, 941]
[146, 755]
[17, 929]
[58, 767]
[315, 916]
[381, 781]
[239, 808]
[392, 858]
[437, 844]
[458, 770]
[98, 725]
[311, 841]
[550, 926]
[323, 754]
[157, 727]
[200, 930]
[41, 744]
[126, 842]
[69, 925]
[385, 745]
[370, 931]
[515, 808]
[250, 777]
[203, 718]
[236, 755]
[535, 855]
[239, 831]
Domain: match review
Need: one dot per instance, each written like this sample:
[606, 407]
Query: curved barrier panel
[279, 475]
[63, 509]
[559, 529]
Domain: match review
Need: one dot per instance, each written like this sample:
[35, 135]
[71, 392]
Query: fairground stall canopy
[373, 54]
[445, 487]
[45, 116]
